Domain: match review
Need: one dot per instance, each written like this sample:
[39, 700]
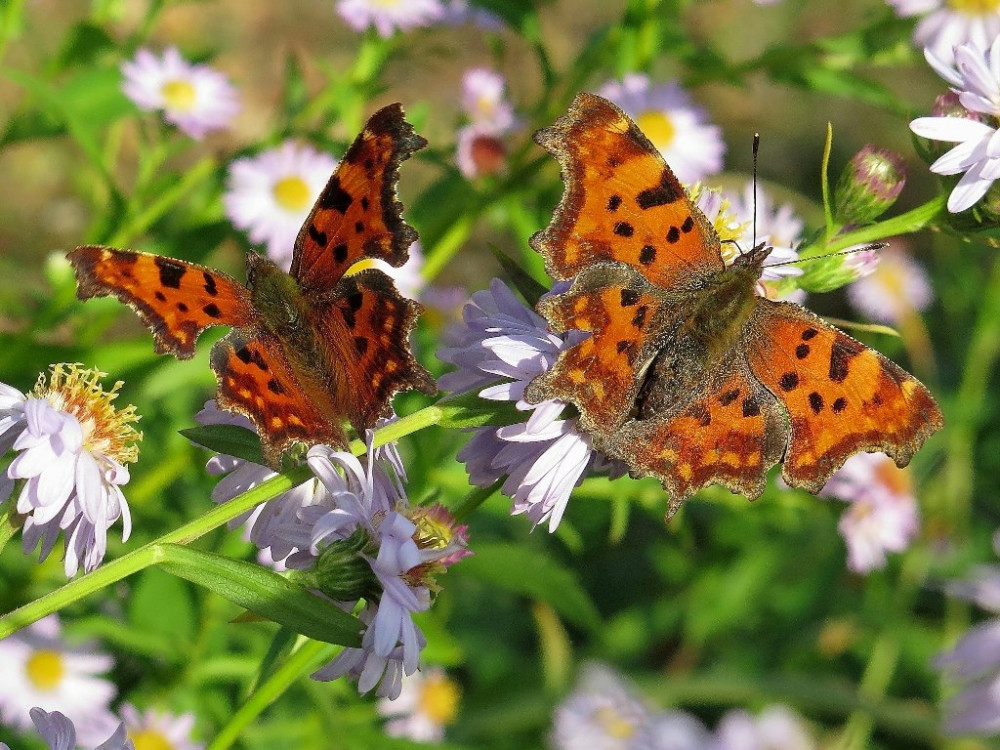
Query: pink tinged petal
[953, 129]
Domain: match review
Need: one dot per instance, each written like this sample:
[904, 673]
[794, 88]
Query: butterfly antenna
[850, 251]
[756, 148]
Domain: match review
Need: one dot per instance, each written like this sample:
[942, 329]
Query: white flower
[601, 714]
[502, 346]
[484, 99]
[389, 16]
[72, 446]
[195, 98]
[893, 289]
[426, 704]
[950, 23]
[269, 195]
[457, 12]
[39, 669]
[153, 728]
[777, 728]
[976, 80]
[883, 514]
[676, 127]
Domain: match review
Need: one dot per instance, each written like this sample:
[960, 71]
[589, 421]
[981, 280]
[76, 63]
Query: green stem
[11, 22]
[825, 182]
[149, 554]
[393, 431]
[307, 658]
[473, 500]
[907, 223]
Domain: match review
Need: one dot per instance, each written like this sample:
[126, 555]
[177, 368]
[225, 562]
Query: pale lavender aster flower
[776, 728]
[389, 16]
[154, 728]
[60, 733]
[427, 703]
[72, 445]
[500, 348]
[40, 669]
[195, 98]
[675, 126]
[896, 287]
[269, 195]
[601, 714]
[946, 24]
[976, 80]
[484, 99]
[883, 514]
[458, 12]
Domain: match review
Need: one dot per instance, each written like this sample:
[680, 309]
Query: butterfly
[308, 349]
[688, 375]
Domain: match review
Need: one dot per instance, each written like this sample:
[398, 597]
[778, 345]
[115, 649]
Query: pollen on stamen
[77, 390]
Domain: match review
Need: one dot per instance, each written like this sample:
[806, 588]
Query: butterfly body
[687, 374]
[311, 349]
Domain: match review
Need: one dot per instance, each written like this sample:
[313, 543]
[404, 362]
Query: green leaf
[265, 593]
[229, 439]
[513, 568]
[84, 43]
[155, 593]
[469, 410]
[530, 289]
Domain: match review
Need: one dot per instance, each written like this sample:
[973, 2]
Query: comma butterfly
[308, 349]
[688, 375]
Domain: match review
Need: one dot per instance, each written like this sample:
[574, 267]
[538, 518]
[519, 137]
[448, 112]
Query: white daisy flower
[501, 347]
[776, 728]
[883, 514]
[269, 195]
[72, 446]
[163, 730]
[389, 16]
[484, 99]
[976, 81]
[427, 703]
[600, 714]
[195, 98]
[679, 129]
[894, 286]
[949, 23]
[40, 669]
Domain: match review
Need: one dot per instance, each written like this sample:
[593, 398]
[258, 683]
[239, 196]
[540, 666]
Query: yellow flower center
[179, 95]
[45, 669]
[387, 3]
[292, 193]
[975, 7]
[150, 739]
[439, 697]
[614, 724]
[77, 391]
[658, 127]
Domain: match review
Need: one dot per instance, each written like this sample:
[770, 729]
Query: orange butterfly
[308, 349]
[688, 375]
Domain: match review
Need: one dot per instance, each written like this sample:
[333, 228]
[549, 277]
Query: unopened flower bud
[341, 572]
[827, 274]
[869, 185]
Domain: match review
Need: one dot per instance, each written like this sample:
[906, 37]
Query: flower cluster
[481, 149]
[602, 712]
[883, 514]
[72, 448]
[351, 534]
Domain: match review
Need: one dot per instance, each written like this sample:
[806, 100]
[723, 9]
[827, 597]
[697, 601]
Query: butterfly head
[753, 260]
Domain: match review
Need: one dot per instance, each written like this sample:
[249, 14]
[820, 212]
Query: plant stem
[912, 221]
[150, 553]
[308, 656]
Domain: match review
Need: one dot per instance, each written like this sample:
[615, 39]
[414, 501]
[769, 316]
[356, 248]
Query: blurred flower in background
[673, 123]
[72, 445]
[883, 514]
[269, 195]
[481, 148]
[427, 704]
[889, 291]
[389, 16]
[153, 729]
[195, 98]
[945, 24]
[40, 669]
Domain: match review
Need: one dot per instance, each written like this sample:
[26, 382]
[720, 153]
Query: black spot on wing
[210, 288]
[212, 310]
[317, 236]
[668, 191]
[673, 234]
[841, 353]
[335, 197]
[624, 229]
[170, 273]
[340, 252]
[815, 402]
[614, 202]
[275, 387]
[789, 381]
[750, 407]
[802, 351]
[629, 297]
[361, 344]
[647, 255]
[839, 405]
[729, 396]
[639, 319]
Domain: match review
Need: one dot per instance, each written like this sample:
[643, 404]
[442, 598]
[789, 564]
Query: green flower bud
[869, 185]
[827, 274]
[340, 572]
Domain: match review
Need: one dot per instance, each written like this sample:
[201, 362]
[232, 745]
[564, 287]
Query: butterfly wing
[176, 299]
[730, 433]
[255, 379]
[622, 202]
[358, 214]
[368, 325]
[841, 397]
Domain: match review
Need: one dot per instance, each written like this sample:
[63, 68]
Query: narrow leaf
[229, 439]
